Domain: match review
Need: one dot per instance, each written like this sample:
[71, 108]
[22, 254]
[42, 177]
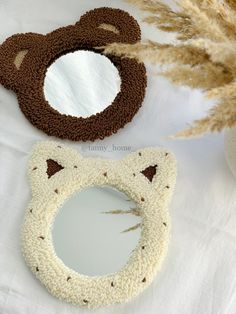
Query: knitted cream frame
[152, 198]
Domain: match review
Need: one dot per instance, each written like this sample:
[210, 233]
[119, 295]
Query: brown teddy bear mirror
[66, 86]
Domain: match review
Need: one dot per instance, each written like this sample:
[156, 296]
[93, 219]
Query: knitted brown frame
[24, 59]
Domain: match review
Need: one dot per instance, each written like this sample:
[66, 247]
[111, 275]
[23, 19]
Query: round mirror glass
[88, 238]
[81, 83]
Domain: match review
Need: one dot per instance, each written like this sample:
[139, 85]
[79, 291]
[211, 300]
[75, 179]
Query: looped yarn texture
[25, 58]
[56, 173]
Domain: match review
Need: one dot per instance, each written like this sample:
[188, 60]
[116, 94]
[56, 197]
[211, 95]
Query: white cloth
[198, 275]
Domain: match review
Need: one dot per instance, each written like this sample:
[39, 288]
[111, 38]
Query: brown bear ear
[116, 24]
[13, 52]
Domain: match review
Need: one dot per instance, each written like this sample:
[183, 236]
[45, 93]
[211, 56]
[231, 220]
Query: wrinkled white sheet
[199, 274]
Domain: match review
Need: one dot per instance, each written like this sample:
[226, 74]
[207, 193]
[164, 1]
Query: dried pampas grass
[204, 56]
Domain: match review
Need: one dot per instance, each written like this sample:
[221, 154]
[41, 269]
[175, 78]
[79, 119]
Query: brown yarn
[42, 51]
[150, 172]
[53, 167]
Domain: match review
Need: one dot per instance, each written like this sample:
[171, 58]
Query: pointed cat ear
[47, 160]
[154, 167]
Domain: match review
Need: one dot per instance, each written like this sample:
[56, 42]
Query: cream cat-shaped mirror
[56, 174]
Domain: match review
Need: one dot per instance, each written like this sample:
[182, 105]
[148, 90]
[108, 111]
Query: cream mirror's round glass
[88, 239]
[81, 83]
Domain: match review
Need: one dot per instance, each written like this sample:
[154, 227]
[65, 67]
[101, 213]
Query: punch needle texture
[56, 172]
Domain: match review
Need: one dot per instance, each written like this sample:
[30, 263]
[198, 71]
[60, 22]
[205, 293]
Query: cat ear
[153, 168]
[48, 161]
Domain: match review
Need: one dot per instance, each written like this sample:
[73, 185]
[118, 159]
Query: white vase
[230, 148]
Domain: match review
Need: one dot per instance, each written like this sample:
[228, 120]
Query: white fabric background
[199, 274]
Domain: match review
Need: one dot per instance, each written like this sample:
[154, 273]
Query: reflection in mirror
[88, 239]
[81, 83]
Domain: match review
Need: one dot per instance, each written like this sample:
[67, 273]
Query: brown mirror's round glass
[88, 239]
[81, 83]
